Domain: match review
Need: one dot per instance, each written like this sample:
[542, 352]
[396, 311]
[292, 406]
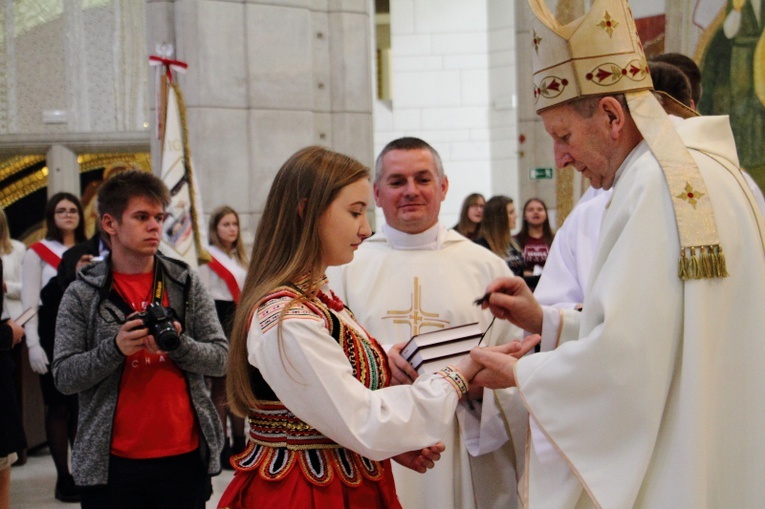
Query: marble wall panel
[279, 57]
[218, 67]
[322, 39]
[218, 140]
[351, 72]
[352, 135]
[274, 136]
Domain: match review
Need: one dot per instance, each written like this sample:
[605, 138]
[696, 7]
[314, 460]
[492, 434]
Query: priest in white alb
[653, 396]
[414, 276]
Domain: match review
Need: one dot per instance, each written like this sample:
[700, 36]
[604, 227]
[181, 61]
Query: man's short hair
[115, 193]
[689, 68]
[408, 143]
[587, 106]
[671, 80]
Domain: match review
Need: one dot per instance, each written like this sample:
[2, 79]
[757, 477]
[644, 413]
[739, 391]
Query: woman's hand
[401, 371]
[422, 460]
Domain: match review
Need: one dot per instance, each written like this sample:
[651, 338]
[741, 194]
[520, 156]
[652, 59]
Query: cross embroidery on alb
[415, 317]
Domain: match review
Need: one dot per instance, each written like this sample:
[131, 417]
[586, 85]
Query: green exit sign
[540, 173]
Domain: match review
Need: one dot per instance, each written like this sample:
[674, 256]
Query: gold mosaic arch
[19, 189]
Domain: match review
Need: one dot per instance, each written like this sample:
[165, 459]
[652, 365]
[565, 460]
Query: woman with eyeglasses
[40, 291]
[471, 215]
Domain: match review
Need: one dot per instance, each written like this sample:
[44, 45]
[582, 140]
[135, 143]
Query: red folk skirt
[267, 478]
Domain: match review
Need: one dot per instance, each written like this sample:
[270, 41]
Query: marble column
[263, 81]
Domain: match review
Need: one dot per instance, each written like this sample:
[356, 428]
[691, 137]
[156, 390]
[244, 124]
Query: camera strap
[158, 286]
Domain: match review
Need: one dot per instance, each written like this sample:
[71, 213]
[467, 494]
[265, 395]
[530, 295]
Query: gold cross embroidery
[416, 317]
[690, 195]
[608, 24]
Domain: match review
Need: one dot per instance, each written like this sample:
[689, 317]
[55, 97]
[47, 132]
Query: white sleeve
[31, 284]
[310, 374]
[558, 326]
[12, 271]
[559, 285]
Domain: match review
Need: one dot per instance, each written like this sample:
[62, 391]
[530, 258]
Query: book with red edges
[430, 351]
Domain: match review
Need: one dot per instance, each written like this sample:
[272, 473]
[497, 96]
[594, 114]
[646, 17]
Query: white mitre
[600, 54]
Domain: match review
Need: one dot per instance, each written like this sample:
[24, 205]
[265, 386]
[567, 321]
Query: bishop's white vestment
[399, 285]
[660, 402]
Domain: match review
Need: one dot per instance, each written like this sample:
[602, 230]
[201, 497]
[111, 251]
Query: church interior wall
[440, 73]
[266, 78]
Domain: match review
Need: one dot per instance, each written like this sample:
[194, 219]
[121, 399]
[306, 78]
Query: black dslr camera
[159, 320]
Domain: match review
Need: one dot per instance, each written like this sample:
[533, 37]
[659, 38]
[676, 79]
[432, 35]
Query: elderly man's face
[584, 143]
[409, 190]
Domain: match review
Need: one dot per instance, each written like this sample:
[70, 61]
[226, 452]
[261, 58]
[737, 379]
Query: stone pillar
[265, 80]
[63, 170]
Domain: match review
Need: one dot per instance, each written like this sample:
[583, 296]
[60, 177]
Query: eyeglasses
[67, 212]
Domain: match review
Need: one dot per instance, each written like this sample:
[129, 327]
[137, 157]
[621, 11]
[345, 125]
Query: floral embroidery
[609, 73]
[550, 87]
[536, 42]
[690, 195]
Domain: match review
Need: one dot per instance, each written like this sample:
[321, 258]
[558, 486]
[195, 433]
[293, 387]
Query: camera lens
[167, 339]
[159, 321]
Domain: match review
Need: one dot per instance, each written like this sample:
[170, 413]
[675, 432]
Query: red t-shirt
[154, 416]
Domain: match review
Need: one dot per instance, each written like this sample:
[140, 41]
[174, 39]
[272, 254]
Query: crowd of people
[619, 358]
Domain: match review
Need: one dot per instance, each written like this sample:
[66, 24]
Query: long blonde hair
[238, 251]
[5, 234]
[287, 244]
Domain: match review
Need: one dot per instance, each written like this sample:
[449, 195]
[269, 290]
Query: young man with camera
[135, 336]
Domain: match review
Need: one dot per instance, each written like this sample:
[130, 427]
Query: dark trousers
[174, 482]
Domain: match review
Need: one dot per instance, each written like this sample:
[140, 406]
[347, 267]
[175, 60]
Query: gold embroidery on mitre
[535, 42]
[608, 24]
[609, 73]
[690, 195]
[550, 87]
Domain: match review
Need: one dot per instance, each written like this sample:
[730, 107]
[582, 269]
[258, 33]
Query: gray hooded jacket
[87, 362]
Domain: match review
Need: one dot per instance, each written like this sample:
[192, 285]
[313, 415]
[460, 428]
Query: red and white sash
[47, 251]
[228, 270]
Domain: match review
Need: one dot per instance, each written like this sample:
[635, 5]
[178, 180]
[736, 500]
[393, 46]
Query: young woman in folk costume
[224, 279]
[323, 420]
[39, 290]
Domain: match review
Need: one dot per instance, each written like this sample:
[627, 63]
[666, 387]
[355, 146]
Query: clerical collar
[431, 239]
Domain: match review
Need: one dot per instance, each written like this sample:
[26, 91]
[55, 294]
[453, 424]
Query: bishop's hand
[498, 362]
[511, 299]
